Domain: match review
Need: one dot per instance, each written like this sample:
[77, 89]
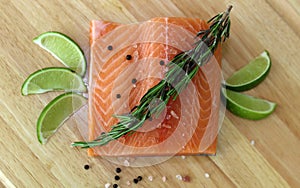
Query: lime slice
[246, 106]
[50, 79]
[250, 75]
[64, 49]
[56, 113]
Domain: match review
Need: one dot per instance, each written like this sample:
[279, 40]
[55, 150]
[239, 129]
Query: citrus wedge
[250, 75]
[56, 113]
[53, 78]
[246, 106]
[64, 49]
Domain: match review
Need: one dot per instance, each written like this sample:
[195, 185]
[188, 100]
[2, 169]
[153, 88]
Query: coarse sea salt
[174, 114]
[150, 178]
[107, 185]
[126, 163]
[179, 177]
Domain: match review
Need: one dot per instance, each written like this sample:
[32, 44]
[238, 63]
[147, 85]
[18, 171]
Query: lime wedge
[50, 79]
[64, 49]
[246, 106]
[56, 113]
[250, 75]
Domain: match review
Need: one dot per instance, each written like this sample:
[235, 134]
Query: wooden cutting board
[273, 161]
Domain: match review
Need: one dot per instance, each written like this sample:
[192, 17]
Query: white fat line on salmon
[167, 38]
[166, 126]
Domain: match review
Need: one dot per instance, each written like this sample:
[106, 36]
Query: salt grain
[134, 85]
[252, 142]
[126, 163]
[107, 185]
[168, 117]
[128, 182]
[150, 178]
[174, 114]
[134, 46]
[164, 178]
[179, 177]
[136, 54]
[207, 175]
[183, 157]
[86, 95]
[182, 135]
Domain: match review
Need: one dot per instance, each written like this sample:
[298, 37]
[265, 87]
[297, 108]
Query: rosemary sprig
[181, 70]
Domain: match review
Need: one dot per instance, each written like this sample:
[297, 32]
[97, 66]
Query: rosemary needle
[181, 69]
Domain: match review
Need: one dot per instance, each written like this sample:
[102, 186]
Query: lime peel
[64, 49]
[247, 106]
[52, 79]
[250, 75]
[56, 113]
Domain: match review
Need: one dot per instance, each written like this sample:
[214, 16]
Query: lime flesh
[64, 49]
[250, 75]
[246, 106]
[50, 79]
[56, 113]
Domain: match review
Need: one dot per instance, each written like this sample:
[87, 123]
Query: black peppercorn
[161, 62]
[115, 185]
[86, 167]
[109, 47]
[118, 170]
[133, 81]
[140, 178]
[128, 57]
[118, 96]
[135, 181]
[117, 177]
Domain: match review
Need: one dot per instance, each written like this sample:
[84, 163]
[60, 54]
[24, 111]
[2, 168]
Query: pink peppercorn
[186, 178]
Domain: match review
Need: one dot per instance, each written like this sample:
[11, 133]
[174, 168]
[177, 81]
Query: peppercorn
[117, 177]
[118, 170]
[86, 167]
[140, 178]
[186, 178]
[135, 181]
[115, 185]
[133, 81]
[109, 47]
[128, 57]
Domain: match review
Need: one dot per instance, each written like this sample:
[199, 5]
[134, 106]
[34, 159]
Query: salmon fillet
[188, 125]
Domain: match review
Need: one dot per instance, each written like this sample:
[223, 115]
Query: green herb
[181, 70]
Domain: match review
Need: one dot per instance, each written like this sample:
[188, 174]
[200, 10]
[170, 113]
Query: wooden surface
[256, 25]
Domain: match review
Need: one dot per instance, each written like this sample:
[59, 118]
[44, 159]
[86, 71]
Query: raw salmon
[126, 61]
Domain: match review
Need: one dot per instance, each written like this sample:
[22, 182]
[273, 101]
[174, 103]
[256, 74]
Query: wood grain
[256, 25]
